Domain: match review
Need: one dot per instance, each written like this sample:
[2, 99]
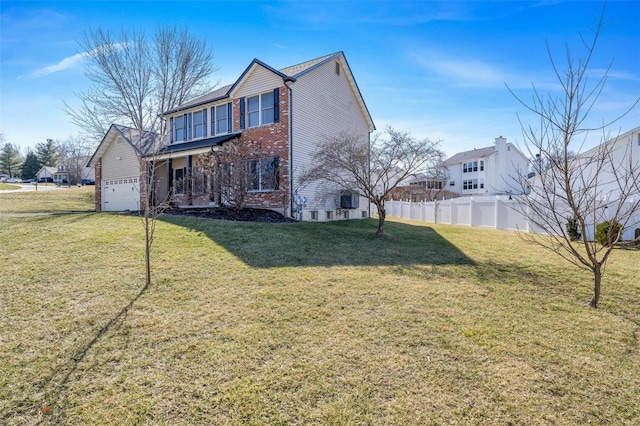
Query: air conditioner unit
[348, 199]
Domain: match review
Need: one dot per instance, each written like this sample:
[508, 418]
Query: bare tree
[74, 153]
[134, 80]
[374, 169]
[236, 169]
[584, 187]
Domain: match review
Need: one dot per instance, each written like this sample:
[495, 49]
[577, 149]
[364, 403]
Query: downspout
[291, 195]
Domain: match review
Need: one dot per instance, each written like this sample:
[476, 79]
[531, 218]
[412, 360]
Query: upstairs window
[481, 165]
[260, 110]
[188, 126]
[222, 119]
[179, 128]
[198, 124]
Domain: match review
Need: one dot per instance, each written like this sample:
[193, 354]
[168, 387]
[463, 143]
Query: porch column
[169, 180]
[188, 181]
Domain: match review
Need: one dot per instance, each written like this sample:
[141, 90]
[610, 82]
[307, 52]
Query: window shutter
[229, 122]
[275, 164]
[171, 130]
[189, 125]
[213, 121]
[276, 105]
[242, 113]
[204, 123]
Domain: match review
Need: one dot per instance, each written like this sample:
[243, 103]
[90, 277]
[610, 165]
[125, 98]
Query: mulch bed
[226, 213]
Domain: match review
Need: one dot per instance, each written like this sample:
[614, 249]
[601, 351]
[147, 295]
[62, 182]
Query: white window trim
[260, 111]
[215, 124]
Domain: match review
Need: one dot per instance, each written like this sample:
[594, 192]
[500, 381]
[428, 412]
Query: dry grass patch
[63, 199]
[308, 324]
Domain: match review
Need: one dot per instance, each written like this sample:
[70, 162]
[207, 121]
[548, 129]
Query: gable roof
[470, 155]
[288, 74]
[142, 141]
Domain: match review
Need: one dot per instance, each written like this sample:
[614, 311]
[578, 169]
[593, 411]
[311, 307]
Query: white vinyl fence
[485, 212]
[495, 212]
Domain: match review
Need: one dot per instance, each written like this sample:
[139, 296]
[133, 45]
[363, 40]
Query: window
[452, 183]
[337, 68]
[261, 109]
[481, 165]
[198, 124]
[223, 116]
[178, 180]
[470, 184]
[179, 128]
[475, 166]
[253, 111]
[364, 214]
[481, 183]
[263, 174]
[329, 215]
[345, 214]
[314, 215]
[198, 179]
[464, 168]
[188, 126]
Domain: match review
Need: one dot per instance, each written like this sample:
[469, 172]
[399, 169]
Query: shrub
[607, 232]
[572, 229]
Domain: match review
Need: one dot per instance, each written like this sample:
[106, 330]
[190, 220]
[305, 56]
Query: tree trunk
[597, 278]
[382, 214]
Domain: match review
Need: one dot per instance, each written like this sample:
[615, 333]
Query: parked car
[29, 181]
[14, 180]
[47, 179]
[88, 181]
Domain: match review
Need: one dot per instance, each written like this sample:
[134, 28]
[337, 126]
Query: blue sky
[435, 69]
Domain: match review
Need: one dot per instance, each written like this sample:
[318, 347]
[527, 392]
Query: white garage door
[120, 194]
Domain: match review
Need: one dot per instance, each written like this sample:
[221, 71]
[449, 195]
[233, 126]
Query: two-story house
[486, 171]
[283, 114]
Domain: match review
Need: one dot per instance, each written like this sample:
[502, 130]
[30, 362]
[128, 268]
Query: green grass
[63, 199]
[307, 324]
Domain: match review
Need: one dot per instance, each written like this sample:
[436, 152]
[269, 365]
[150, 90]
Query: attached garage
[118, 165]
[120, 194]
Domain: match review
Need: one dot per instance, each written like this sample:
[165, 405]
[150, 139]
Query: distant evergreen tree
[48, 153]
[10, 160]
[30, 166]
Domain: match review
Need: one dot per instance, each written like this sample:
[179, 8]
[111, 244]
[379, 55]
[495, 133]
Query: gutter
[291, 195]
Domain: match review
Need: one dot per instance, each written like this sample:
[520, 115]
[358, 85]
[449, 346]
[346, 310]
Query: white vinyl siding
[324, 105]
[120, 174]
[258, 80]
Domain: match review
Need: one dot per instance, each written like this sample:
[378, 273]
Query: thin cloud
[67, 63]
[468, 72]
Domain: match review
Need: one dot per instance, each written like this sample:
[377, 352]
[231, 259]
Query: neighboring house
[283, 113]
[603, 182]
[56, 174]
[487, 171]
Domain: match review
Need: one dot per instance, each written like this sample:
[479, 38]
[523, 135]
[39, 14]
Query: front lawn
[63, 199]
[307, 323]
